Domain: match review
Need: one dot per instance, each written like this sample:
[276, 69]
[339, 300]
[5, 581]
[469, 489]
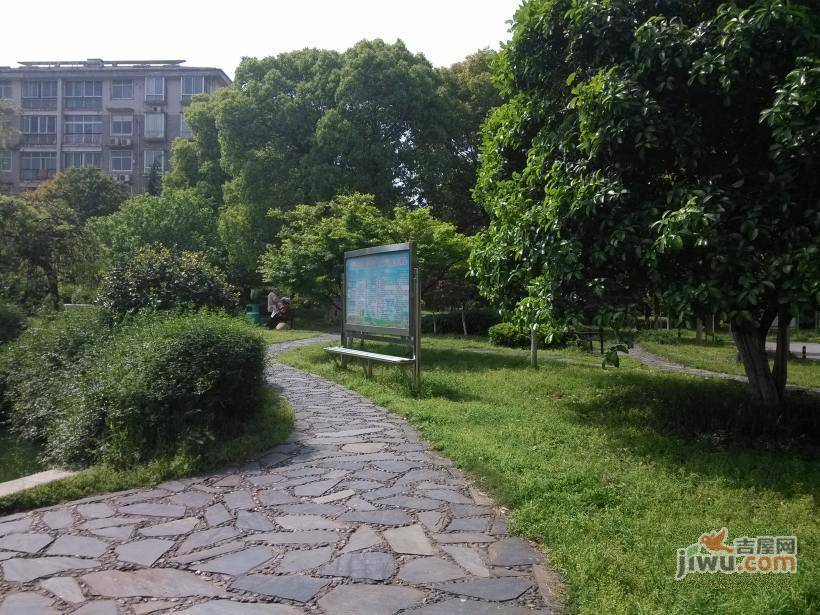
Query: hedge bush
[151, 386]
[12, 322]
[158, 279]
[511, 336]
[661, 336]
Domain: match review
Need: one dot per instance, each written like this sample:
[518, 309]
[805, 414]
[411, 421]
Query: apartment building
[118, 116]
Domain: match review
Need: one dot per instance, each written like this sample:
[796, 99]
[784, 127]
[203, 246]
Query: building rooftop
[105, 66]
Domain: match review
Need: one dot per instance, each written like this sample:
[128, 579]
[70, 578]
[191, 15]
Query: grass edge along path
[720, 357]
[270, 427]
[579, 457]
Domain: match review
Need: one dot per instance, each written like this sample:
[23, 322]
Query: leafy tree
[88, 191]
[656, 148]
[307, 261]
[178, 220]
[157, 278]
[154, 184]
[471, 84]
[40, 237]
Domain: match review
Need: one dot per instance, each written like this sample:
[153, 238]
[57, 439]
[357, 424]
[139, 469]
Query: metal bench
[368, 357]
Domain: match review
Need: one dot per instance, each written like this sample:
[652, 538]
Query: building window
[154, 88]
[192, 86]
[40, 94]
[122, 89]
[154, 125]
[122, 125]
[154, 156]
[5, 89]
[184, 130]
[39, 130]
[5, 161]
[82, 159]
[37, 165]
[82, 130]
[121, 161]
[83, 94]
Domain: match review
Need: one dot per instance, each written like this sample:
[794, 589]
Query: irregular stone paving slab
[99, 607]
[58, 519]
[143, 552]
[65, 588]
[255, 521]
[352, 515]
[154, 510]
[409, 540]
[456, 606]
[496, 590]
[300, 560]
[469, 559]
[25, 570]
[375, 566]
[78, 545]
[27, 604]
[291, 587]
[362, 538]
[172, 528]
[229, 607]
[153, 583]
[513, 552]
[25, 543]
[376, 599]
[430, 570]
[237, 563]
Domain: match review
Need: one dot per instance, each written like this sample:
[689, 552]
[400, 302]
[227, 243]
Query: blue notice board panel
[377, 290]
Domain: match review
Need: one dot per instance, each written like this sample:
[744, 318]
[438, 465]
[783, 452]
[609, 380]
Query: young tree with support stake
[662, 148]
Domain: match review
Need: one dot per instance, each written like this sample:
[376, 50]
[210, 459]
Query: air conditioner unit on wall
[126, 179]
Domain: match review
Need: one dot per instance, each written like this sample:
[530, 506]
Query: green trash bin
[253, 313]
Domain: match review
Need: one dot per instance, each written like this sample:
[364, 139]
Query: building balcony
[155, 99]
[49, 138]
[30, 175]
[85, 102]
[40, 103]
[82, 139]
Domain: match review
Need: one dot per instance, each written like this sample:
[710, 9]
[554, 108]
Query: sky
[219, 33]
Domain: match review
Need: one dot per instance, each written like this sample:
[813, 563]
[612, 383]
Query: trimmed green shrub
[511, 336]
[158, 279]
[39, 370]
[12, 322]
[507, 334]
[661, 336]
[153, 385]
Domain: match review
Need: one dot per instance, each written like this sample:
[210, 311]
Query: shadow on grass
[711, 428]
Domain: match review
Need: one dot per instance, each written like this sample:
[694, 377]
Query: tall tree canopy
[88, 191]
[304, 126]
[656, 147]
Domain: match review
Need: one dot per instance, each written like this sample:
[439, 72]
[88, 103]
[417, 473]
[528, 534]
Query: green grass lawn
[589, 465]
[720, 356]
[16, 458]
[271, 427]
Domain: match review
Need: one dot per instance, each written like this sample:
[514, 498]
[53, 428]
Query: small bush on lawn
[159, 279]
[509, 335]
[12, 322]
[153, 385]
[478, 321]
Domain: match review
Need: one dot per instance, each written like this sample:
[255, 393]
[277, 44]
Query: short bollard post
[533, 348]
[804, 353]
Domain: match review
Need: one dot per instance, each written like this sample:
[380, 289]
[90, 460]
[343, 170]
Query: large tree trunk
[781, 357]
[751, 344]
[698, 330]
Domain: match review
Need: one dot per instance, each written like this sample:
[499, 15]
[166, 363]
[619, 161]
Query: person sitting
[280, 314]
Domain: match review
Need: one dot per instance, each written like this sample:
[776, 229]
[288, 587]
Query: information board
[377, 289]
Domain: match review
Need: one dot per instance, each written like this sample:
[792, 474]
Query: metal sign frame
[412, 300]
[410, 336]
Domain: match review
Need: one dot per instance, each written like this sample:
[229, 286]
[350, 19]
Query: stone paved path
[351, 516]
[653, 360]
